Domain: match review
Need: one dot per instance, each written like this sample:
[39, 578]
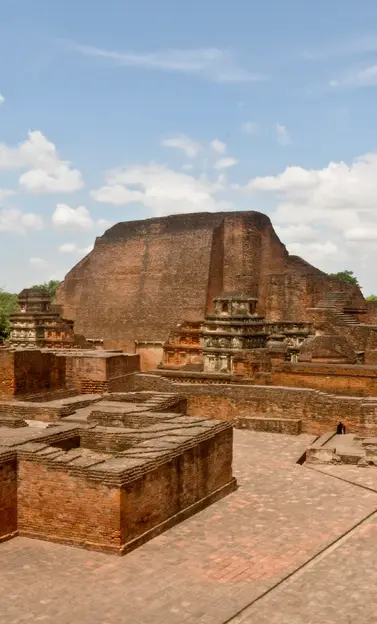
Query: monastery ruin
[117, 404]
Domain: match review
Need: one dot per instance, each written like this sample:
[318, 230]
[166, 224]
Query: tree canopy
[346, 276]
[49, 287]
[9, 302]
[371, 298]
[8, 305]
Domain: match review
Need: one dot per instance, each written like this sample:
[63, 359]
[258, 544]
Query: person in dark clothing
[340, 429]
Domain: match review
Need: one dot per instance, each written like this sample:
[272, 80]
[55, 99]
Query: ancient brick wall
[144, 277]
[55, 505]
[151, 355]
[99, 372]
[7, 381]
[371, 315]
[30, 371]
[35, 371]
[8, 495]
[288, 426]
[60, 504]
[343, 379]
[320, 412]
[176, 485]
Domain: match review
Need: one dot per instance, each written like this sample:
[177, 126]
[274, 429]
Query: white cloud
[67, 217]
[2, 99]
[13, 220]
[340, 198]
[282, 135]
[211, 63]
[73, 248]
[38, 262]
[347, 47]
[358, 77]
[225, 163]
[218, 146]
[338, 186]
[319, 254]
[160, 189]
[361, 234]
[296, 233]
[183, 142]
[46, 173]
[187, 167]
[4, 193]
[250, 127]
[61, 180]
[78, 218]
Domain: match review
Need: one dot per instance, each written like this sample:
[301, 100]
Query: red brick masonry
[111, 488]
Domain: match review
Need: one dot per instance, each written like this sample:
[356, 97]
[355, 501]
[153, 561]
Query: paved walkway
[208, 569]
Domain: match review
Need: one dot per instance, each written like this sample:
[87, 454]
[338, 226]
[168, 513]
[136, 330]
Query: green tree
[8, 305]
[346, 276]
[371, 298]
[49, 287]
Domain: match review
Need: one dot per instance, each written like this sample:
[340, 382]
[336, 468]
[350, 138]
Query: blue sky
[119, 110]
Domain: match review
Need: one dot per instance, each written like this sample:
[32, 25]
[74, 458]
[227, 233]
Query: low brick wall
[8, 495]
[192, 479]
[55, 505]
[288, 426]
[319, 412]
[351, 380]
[99, 371]
[116, 510]
[46, 412]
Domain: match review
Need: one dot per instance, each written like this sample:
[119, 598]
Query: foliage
[346, 276]
[8, 305]
[371, 298]
[49, 287]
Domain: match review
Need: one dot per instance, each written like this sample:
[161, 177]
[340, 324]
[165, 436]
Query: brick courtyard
[293, 545]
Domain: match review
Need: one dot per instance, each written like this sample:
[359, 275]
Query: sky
[121, 110]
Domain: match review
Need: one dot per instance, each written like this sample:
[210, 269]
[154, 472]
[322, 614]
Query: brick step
[291, 426]
[346, 319]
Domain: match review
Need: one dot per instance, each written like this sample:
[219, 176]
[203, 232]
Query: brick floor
[339, 589]
[211, 566]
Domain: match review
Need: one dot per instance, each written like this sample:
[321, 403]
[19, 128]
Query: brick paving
[364, 477]
[214, 564]
[339, 589]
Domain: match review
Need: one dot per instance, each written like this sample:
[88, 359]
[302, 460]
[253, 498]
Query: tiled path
[212, 566]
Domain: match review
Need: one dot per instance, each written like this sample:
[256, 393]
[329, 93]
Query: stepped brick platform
[107, 474]
[343, 449]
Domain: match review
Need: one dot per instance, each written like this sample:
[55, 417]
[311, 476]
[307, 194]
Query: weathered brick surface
[99, 372]
[7, 381]
[8, 495]
[177, 485]
[58, 502]
[206, 569]
[144, 277]
[150, 353]
[342, 379]
[45, 411]
[30, 371]
[291, 426]
[318, 411]
[59, 506]
[114, 487]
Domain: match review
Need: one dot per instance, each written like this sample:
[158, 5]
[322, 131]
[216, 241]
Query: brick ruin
[38, 323]
[178, 329]
[105, 471]
[217, 308]
[144, 277]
